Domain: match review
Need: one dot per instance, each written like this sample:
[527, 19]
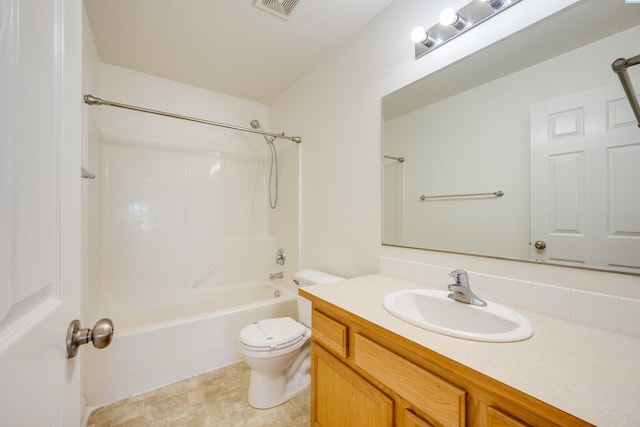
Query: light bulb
[418, 34]
[448, 16]
[453, 18]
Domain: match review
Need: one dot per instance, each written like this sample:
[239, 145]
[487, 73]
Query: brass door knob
[540, 244]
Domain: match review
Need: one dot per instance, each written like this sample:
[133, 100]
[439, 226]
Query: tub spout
[274, 276]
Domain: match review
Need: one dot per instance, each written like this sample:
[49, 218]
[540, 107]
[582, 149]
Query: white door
[585, 170]
[40, 135]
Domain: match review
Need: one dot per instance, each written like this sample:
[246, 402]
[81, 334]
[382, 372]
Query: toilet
[278, 350]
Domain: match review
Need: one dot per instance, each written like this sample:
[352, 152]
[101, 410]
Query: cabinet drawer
[437, 398]
[497, 418]
[329, 333]
[412, 420]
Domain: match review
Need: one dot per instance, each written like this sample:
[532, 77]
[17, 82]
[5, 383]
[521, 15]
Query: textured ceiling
[227, 46]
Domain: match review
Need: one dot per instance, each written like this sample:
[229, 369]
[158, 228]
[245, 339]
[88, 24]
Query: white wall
[336, 109]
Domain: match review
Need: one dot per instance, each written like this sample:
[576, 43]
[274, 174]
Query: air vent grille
[280, 8]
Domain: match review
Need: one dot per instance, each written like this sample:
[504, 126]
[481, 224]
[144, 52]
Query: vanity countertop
[590, 373]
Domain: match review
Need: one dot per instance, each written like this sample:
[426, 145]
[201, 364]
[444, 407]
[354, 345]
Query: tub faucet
[273, 276]
[461, 290]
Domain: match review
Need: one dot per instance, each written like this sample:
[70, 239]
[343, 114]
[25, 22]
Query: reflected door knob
[100, 335]
[540, 244]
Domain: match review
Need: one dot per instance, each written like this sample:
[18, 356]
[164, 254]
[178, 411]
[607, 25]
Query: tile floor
[217, 398]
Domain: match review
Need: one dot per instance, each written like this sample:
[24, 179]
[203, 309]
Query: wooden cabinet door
[340, 397]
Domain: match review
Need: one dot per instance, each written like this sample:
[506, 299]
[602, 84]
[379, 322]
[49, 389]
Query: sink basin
[434, 311]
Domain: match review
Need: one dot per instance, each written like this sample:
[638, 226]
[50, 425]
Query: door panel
[585, 157]
[35, 221]
[40, 102]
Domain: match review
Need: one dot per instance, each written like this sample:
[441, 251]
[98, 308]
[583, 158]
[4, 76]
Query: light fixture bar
[466, 18]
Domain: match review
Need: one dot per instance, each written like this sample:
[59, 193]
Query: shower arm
[619, 67]
[92, 100]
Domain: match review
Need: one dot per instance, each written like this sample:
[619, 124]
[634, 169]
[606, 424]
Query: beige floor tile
[213, 399]
[117, 413]
[133, 422]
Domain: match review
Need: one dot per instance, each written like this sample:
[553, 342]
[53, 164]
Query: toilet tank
[309, 278]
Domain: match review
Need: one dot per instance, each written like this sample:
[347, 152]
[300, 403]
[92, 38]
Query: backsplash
[599, 310]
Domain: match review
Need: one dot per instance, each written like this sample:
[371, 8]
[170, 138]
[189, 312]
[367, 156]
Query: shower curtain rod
[92, 100]
[619, 67]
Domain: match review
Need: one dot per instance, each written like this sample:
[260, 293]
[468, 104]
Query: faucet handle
[460, 276]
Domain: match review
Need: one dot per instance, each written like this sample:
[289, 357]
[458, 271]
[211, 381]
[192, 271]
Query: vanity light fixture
[496, 4]
[454, 23]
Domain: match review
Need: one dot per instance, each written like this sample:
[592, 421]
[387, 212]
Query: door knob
[540, 244]
[100, 335]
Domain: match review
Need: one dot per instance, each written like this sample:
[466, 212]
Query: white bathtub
[146, 356]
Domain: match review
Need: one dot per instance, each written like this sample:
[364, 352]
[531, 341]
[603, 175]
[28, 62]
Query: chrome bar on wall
[619, 67]
[498, 193]
[84, 173]
[92, 100]
[398, 159]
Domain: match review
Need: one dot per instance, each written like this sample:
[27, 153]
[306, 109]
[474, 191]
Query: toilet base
[267, 390]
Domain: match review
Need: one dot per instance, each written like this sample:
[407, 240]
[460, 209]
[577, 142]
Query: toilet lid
[270, 334]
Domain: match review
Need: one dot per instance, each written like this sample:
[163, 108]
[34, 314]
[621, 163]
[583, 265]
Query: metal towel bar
[498, 193]
[84, 173]
[398, 159]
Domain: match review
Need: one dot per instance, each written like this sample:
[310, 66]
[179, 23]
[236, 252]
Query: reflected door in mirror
[585, 167]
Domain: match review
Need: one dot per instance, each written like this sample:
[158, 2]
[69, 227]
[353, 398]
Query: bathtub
[147, 353]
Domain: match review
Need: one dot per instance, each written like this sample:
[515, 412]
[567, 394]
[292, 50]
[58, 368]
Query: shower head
[256, 125]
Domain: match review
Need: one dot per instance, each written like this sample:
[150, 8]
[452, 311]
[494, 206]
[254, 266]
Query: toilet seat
[273, 334]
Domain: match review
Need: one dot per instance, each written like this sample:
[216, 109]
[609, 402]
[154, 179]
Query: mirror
[527, 149]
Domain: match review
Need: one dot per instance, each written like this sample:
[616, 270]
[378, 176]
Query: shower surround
[177, 232]
[175, 222]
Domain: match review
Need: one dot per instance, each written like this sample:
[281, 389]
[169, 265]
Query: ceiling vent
[280, 8]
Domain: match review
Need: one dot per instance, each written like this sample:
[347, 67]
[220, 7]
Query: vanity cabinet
[364, 375]
[344, 398]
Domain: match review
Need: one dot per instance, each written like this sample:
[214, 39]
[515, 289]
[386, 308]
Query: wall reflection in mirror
[540, 117]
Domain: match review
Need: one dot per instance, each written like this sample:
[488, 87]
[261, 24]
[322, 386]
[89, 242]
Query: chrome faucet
[461, 290]
[274, 276]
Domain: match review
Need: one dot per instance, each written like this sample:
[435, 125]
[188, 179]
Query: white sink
[432, 310]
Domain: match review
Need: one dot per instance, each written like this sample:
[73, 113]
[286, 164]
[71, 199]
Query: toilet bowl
[278, 350]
